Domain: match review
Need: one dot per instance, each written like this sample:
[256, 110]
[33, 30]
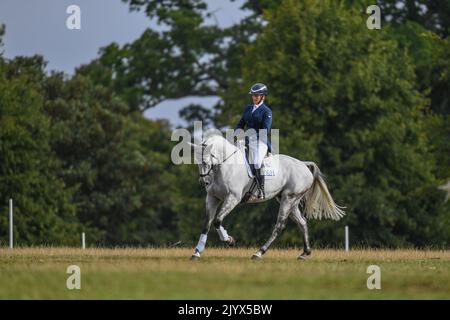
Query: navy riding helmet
[258, 88]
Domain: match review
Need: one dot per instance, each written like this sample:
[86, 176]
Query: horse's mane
[219, 144]
[213, 138]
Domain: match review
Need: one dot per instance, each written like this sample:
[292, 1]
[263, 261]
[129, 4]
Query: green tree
[369, 106]
[117, 161]
[188, 57]
[434, 15]
[44, 213]
[2, 33]
[345, 97]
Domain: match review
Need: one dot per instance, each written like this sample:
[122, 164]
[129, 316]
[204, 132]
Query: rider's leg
[260, 180]
[261, 151]
[253, 159]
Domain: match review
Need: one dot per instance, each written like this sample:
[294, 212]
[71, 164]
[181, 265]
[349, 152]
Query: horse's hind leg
[283, 213]
[212, 203]
[300, 220]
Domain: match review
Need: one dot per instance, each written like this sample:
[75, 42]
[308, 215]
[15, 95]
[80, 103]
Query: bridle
[213, 166]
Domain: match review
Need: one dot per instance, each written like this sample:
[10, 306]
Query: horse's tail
[318, 201]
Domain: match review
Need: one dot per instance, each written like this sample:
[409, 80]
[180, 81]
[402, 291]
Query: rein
[214, 165]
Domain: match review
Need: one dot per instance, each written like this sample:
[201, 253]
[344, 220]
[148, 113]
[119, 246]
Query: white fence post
[83, 241]
[11, 239]
[346, 239]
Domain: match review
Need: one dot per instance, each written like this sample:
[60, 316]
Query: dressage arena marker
[83, 240]
[11, 243]
[346, 239]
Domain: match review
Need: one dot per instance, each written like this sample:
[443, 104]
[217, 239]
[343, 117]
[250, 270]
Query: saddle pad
[269, 167]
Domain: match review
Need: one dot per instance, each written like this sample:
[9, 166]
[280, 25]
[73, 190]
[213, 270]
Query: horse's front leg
[212, 203]
[228, 205]
[225, 237]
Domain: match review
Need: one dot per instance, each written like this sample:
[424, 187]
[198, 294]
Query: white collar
[255, 106]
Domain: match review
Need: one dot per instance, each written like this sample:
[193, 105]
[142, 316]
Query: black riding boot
[261, 193]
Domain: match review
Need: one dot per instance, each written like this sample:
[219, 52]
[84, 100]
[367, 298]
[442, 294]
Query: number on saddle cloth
[269, 166]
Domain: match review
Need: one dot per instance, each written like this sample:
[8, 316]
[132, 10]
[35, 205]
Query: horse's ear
[196, 147]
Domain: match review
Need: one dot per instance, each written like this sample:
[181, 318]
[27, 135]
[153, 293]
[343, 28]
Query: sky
[39, 27]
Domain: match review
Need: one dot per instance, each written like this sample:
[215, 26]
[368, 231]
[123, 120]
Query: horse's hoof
[304, 255]
[195, 256]
[257, 256]
[231, 241]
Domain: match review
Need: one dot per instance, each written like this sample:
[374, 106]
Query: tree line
[370, 107]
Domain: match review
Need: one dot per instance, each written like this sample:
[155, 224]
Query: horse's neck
[233, 159]
[226, 150]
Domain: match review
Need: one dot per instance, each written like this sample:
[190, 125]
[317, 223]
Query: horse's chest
[217, 190]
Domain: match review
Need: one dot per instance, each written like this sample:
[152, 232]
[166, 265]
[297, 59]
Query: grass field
[40, 273]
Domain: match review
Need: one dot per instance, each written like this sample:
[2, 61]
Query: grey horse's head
[206, 161]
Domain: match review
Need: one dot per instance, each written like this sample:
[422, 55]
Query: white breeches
[257, 152]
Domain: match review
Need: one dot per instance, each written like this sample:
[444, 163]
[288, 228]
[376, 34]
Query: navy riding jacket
[261, 118]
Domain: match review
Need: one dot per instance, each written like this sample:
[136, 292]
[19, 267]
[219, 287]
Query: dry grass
[320, 254]
[161, 273]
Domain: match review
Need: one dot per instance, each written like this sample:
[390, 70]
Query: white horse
[223, 172]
